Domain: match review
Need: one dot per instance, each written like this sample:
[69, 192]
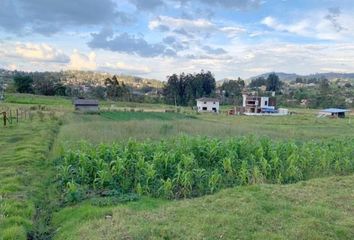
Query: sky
[156, 38]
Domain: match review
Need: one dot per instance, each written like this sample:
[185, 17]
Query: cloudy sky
[154, 38]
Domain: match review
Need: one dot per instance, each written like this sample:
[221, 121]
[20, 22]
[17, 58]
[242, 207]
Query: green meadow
[34, 203]
[25, 176]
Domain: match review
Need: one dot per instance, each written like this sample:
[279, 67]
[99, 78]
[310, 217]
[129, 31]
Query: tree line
[183, 89]
[48, 85]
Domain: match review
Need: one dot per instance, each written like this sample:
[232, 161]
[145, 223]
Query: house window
[214, 109]
[214, 103]
[204, 102]
[266, 103]
[205, 108]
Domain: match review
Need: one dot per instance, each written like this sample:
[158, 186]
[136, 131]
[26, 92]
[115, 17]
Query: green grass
[120, 126]
[161, 116]
[30, 99]
[23, 171]
[316, 209]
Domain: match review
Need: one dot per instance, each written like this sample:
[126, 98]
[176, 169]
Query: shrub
[40, 115]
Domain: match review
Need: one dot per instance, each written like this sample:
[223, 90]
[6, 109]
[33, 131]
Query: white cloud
[81, 61]
[322, 25]
[301, 27]
[194, 26]
[233, 32]
[40, 52]
[187, 24]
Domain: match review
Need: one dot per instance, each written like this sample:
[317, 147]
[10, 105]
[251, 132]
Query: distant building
[261, 106]
[87, 105]
[333, 112]
[208, 105]
[256, 104]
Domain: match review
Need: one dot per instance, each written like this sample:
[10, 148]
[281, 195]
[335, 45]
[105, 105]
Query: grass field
[29, 99]
[317, 209]
[31, 207]
[120, 126]
[24, 172]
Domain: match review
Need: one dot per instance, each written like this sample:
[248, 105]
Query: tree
[43, 85]
[60, 89]
[273, 83]
[115, 90]
[299, 80]
[324, 86]
[232, 90]
[258, 82]
[23, 84]
[185, 88]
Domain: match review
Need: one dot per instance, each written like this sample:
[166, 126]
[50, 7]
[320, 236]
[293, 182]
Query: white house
[208, 105]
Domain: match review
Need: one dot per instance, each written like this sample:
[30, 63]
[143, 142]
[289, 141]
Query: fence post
[10, 120]
[16, 115]
[4, 116]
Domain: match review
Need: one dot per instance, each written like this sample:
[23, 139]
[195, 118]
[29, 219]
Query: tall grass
[186, 167]
[24, 170]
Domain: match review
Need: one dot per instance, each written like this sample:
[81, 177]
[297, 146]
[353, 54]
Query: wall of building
[264, 102]
[87, 108]
[208, 106]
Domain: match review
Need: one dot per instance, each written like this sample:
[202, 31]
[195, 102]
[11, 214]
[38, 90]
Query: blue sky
[155, 38]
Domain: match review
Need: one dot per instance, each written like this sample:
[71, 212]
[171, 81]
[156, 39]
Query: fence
[11, 116]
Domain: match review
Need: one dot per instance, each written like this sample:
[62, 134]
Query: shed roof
[204, 99]
[86, 102]
[334, 110]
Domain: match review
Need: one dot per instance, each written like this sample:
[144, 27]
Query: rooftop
[204, 99]
[86, 102]
[335, 110]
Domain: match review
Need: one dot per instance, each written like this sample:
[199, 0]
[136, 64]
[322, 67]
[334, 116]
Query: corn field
[186, 167]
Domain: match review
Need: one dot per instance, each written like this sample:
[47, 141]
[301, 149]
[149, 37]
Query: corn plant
[185, 167]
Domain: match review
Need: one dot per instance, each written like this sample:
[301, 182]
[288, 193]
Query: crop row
[194, 166]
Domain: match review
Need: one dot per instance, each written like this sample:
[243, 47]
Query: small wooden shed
[87, 105]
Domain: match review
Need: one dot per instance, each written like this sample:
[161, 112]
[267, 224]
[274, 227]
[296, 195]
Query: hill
[292, 76]
[74, 77]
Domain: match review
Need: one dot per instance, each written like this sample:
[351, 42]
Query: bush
[52, 116]
[40, 115]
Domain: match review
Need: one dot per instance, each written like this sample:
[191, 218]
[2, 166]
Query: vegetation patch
[315, 209]
[186, 167]
[24, 170]
[162, 116]
[38, 100]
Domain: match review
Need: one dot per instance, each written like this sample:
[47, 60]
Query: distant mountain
[292, 76]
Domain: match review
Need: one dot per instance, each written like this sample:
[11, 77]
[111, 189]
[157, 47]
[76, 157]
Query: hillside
[293, 76]
[74, 77]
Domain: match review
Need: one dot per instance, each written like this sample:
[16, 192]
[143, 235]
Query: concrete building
[87, 105]
[208, 105]
[261, 106]
[256, 104]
